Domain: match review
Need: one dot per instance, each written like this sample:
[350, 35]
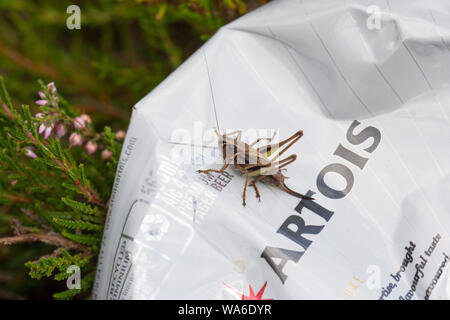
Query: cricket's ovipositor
[253, 161]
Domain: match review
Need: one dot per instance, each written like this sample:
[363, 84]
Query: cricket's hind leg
[272, 148]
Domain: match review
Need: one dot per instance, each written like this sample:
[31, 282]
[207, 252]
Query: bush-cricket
[253, 161]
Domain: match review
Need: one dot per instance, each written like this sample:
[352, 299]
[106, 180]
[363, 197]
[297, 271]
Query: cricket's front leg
[221, 170]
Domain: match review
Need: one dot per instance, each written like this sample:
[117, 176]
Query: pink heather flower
[75, 139]
[41, 102]
[120, 135]
[42, 128]
[48, 131]
[78, 123]
[52, 88]
[39, 115]
[41, 94]
[91, 147]
[86, 118]
[60, 130]
[29, 153]
[106, 154]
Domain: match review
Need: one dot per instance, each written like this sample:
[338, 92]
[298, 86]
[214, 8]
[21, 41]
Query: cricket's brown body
[254, 162]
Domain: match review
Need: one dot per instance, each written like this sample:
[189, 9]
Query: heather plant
[58, 158]
[56, 171]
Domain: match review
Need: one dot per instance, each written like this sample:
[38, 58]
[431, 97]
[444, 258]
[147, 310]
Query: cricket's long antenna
[212, 92]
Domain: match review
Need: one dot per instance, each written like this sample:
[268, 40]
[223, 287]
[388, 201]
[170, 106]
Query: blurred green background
[123, 50]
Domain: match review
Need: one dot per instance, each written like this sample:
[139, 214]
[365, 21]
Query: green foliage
[82, 238]
[58, 267]
[85, 285]
[46, 187]
[78, 224]
[79, 206]
[47, 266]
[124, 47]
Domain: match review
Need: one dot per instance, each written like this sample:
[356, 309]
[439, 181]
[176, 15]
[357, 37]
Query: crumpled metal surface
[368, 83]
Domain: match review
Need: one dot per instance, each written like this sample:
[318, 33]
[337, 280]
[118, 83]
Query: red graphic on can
[252, 295]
